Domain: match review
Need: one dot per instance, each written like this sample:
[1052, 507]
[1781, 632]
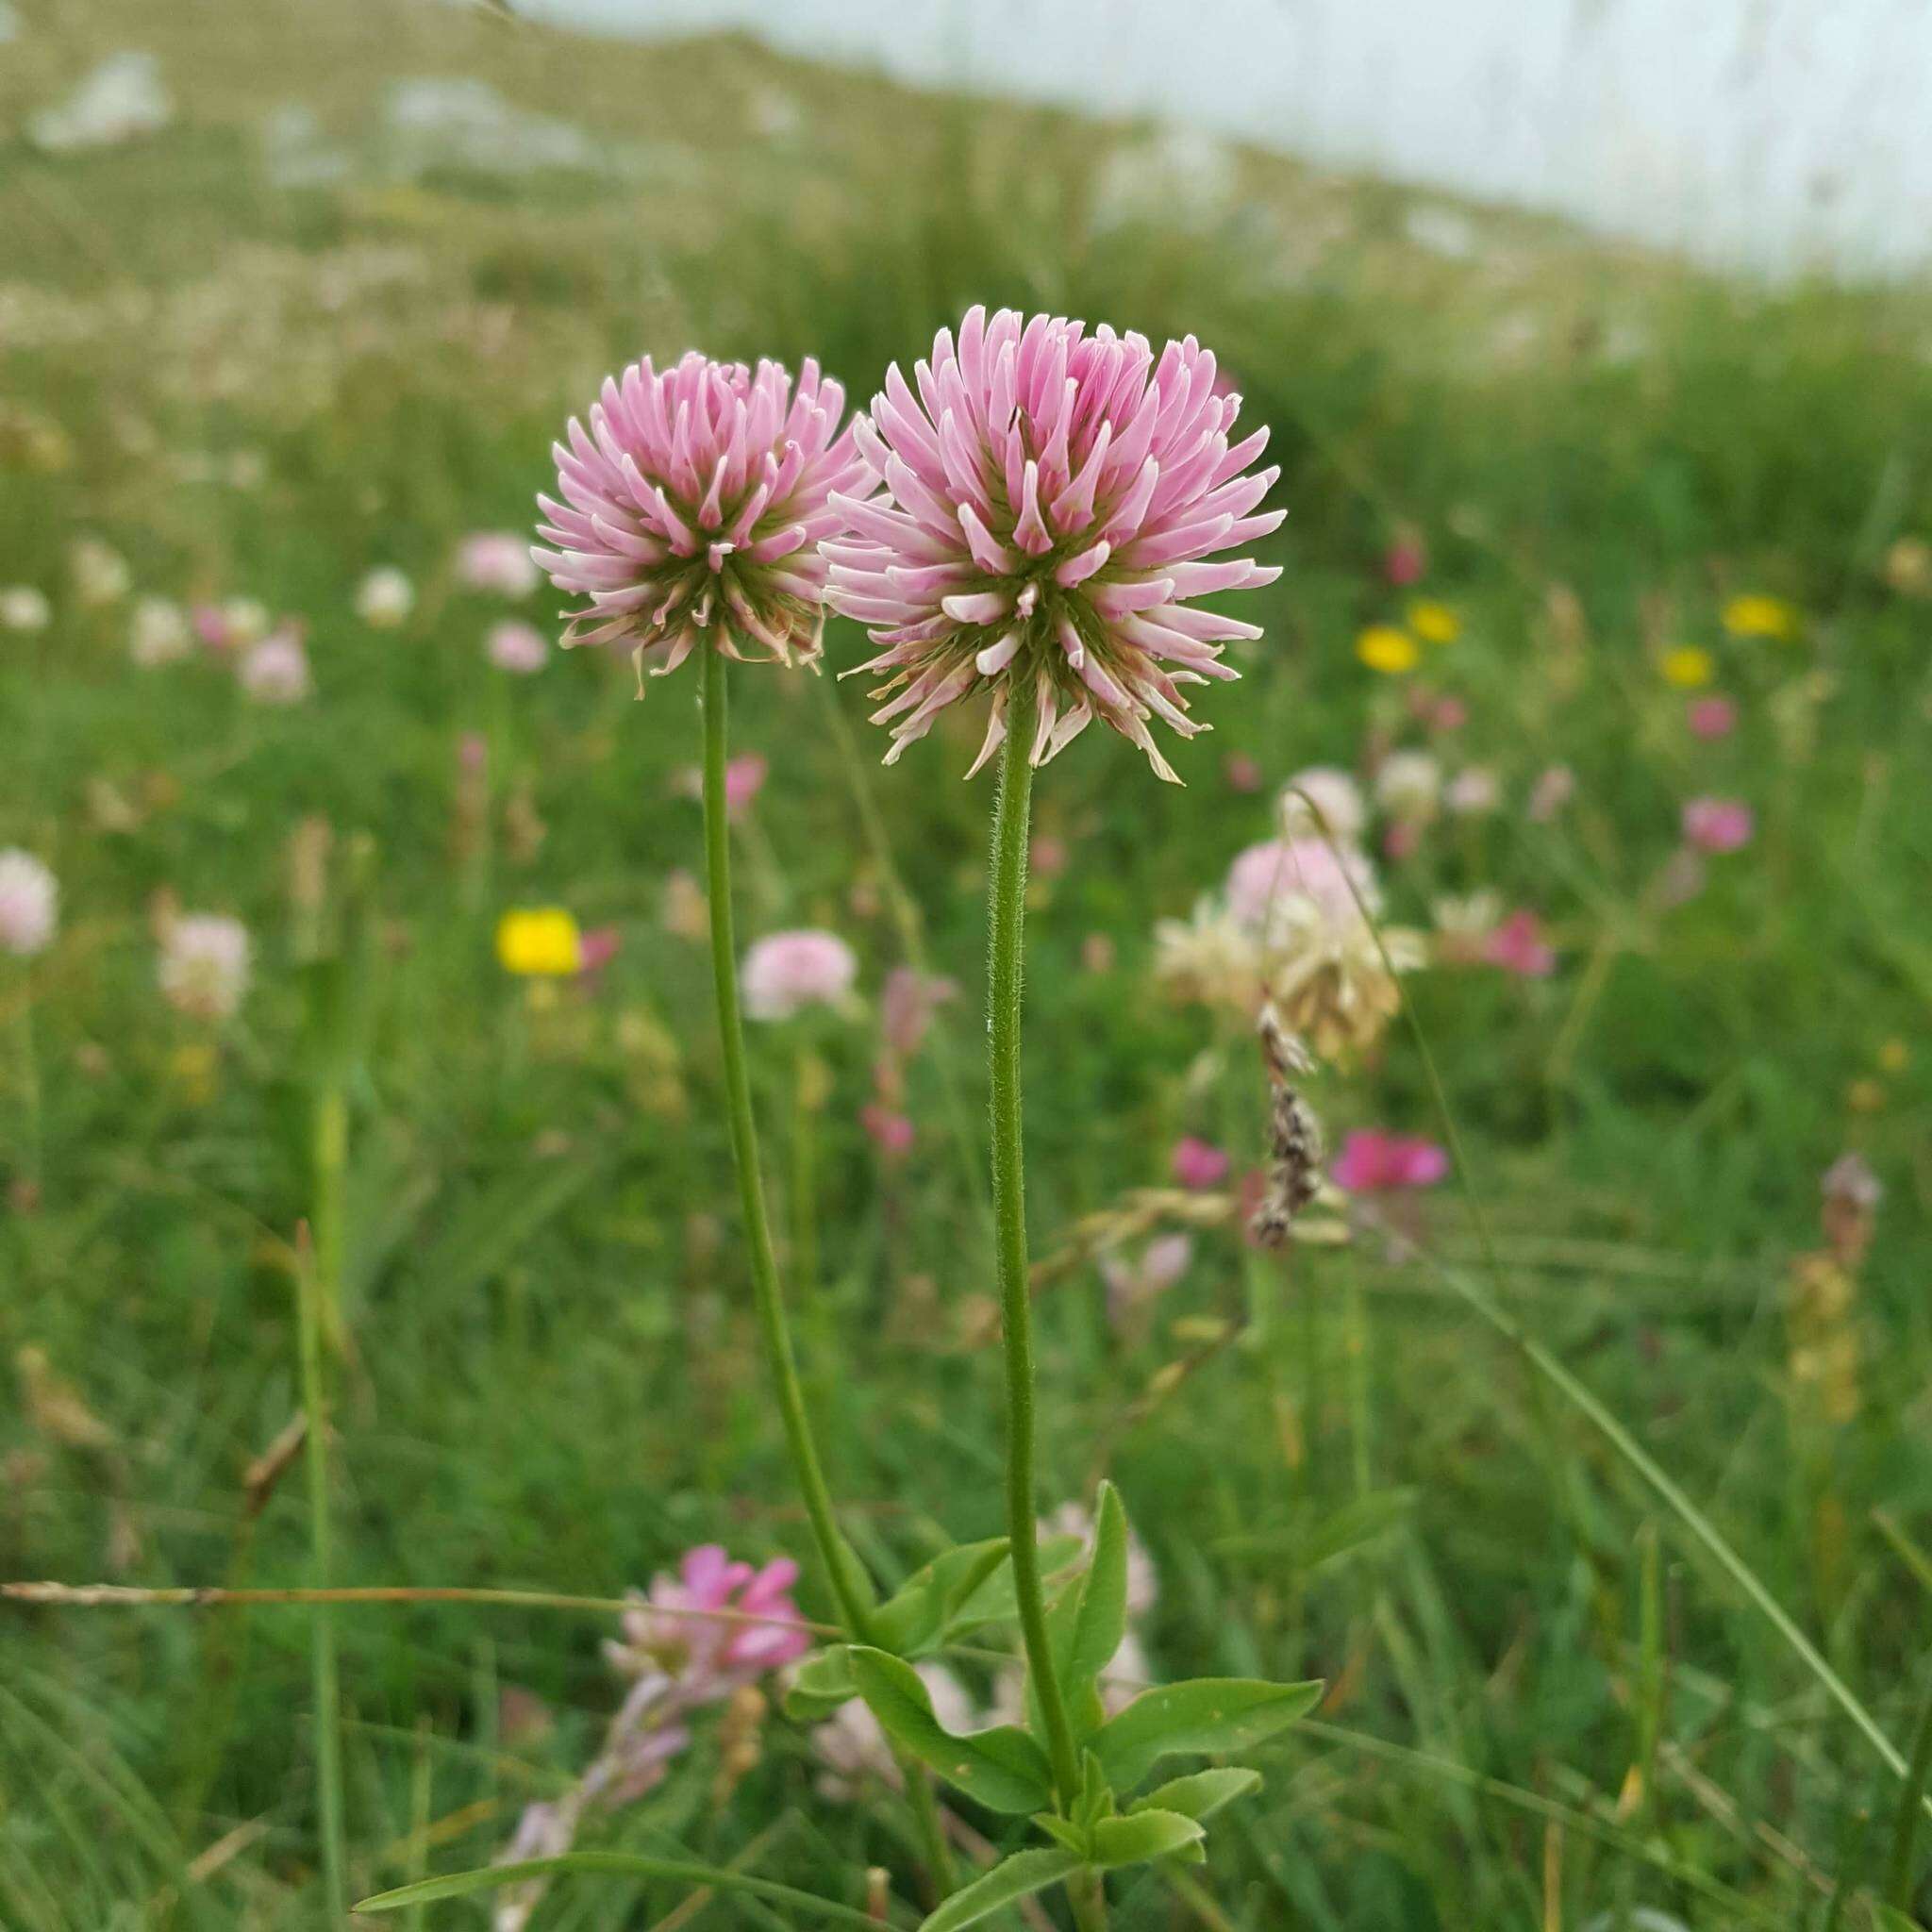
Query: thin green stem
[1005, 972]
[1900, 1868]
[850, 1586]
[30, 1090]
[311, 1299]
[848, 1583]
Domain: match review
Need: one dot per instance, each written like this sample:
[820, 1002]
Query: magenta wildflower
[1718, 825]
[1404, 560]
[1518, 947]
[892, 1133]
[717, 1624]
[693, 507]
[1711, 717]
[1052, 498]
[1198, 1163]
[1375, 1162]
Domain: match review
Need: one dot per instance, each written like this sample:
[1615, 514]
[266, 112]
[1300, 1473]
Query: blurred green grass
[552, 1382]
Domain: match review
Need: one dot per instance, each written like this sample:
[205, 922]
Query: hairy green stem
[1005, 971]
[850, 1586]
[312, 1296]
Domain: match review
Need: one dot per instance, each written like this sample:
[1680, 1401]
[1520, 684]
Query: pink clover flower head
[1375, 1162]
[1518, 947]
[1052, 497]
[204, 965]
[694, 505]
[1198, 1163]
[787, 972]
[1711, 717]
[677, 1627]
[1718, 825]
[1266, 876]
[1404, 560]
[498, 561]
[517, 647]
[744, 778]
[30, 905]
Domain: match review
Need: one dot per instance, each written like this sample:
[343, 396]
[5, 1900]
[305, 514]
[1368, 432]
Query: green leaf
[995, 1602]
[1203, 1793]
[1013, 1878]
[915, 1617]
[1063, 1831]
[1100, 1616]
[1004, 1769]
[1143, 1835]
[618, 1865]
[821, 1684]
[1208, 1714]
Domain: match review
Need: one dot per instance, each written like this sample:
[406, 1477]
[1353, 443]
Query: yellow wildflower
[1382, 647]
[1435, 623]
[1894, 1057]
[542, 942]
[1755, 615]
[1690, 667]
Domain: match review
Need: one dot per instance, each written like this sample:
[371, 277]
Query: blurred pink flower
[1448, 715]
[1518, 947]
[275, 671]
[711, 1653]
[1047, 856]
[597, 945]
[1711, 717]
[787, 971]
[1051, 496]
[1684, 875]
[498, 561]
[1375, 1162]
[892, 1133]
[1098, 952]
[473, 753]
[1401, 840]
[1241, 773]
[1198, 1163]
[1404, 560]
[1718, 825]
[744, 778]
[517, 647]
[1308, 868]
[1553, 789]
[29, 903]
[1160, 1264]
[907, 1005]
[693, 505]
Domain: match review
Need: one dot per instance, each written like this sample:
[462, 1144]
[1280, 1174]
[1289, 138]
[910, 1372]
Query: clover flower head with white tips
[693, 504]
[1052, 497]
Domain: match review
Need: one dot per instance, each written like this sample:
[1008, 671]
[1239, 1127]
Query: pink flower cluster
[1375, 1162]
[693, 504]
[1051, 496]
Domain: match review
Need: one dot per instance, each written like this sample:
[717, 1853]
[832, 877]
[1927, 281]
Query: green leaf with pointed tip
[821, 1684]
[917, 1615]
[1206, 1714]
[1143, 1835]
[1011, 1879]
[617, 1865]
[1004, 1769]
[994, 1601]
[1202, 1794]
[1096, 1798]
[1063, 1830]
[1100, 1618]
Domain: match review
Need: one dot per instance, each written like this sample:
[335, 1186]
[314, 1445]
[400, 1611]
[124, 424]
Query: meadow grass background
[251, 388]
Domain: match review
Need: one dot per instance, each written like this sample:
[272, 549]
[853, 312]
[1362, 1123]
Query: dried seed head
[1296, 1145]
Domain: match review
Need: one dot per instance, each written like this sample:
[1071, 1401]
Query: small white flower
[1408, 786]
[1338, 798]
[100, 572]
[275, 671]
[385, 598]
[1474, 793]
[160, 633]
[22, 607]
